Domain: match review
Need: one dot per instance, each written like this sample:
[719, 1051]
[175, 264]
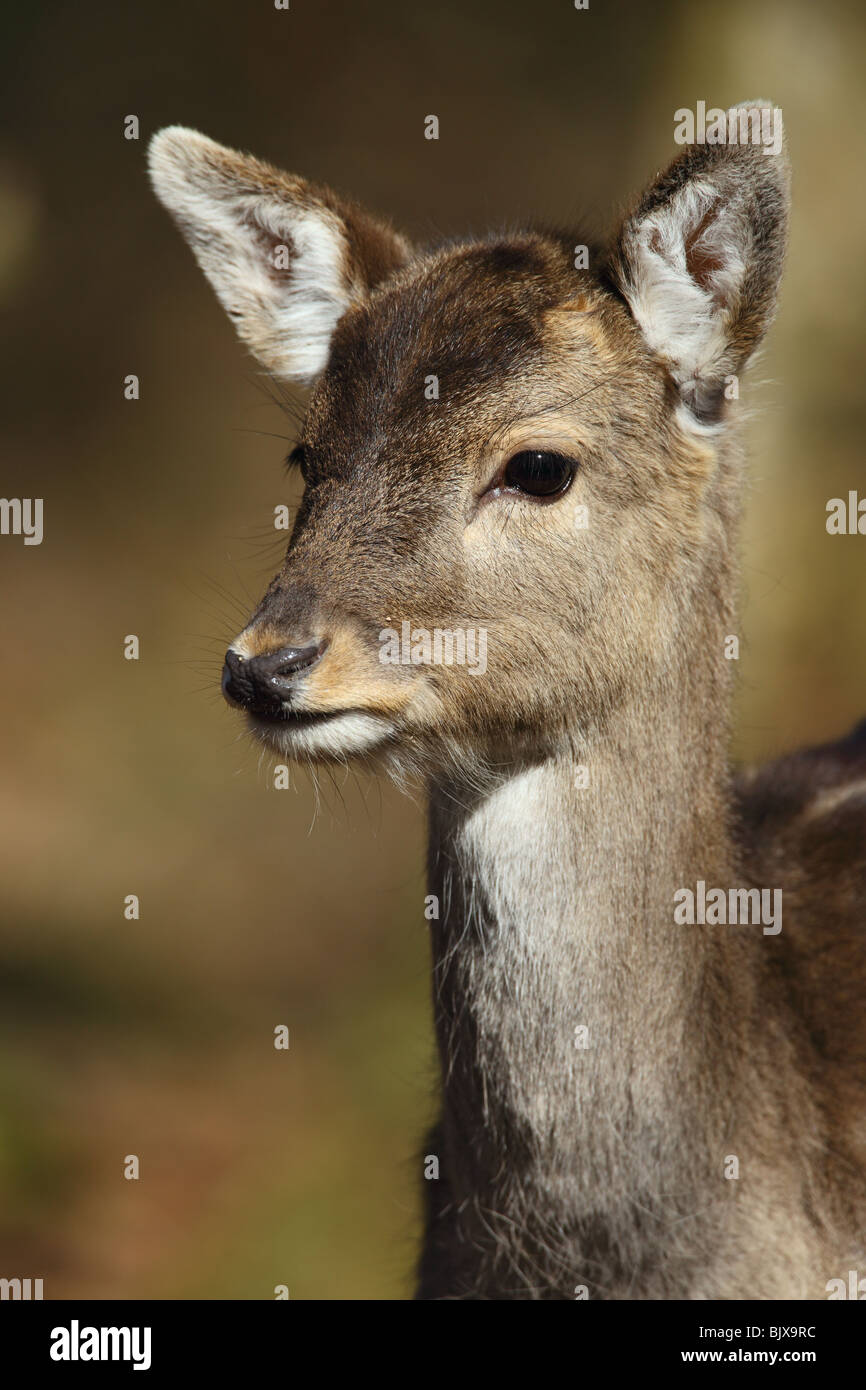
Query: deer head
[495, 442]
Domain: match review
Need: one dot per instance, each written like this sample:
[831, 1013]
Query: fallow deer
[632, 1107]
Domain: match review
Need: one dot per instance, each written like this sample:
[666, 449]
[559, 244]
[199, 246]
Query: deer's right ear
[286, 258]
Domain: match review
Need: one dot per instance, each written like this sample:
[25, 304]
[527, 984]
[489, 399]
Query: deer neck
[580, 1029]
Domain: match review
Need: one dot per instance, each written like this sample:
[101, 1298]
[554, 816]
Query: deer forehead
[449, 359]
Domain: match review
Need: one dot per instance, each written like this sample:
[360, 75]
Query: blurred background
[155, 1037]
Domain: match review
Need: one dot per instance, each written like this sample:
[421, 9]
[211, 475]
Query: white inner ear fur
[285, 316]
[684, 321]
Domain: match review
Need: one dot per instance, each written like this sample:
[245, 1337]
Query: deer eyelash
[297, 459]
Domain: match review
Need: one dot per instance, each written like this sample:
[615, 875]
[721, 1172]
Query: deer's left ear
[287, 258]
[699, 260]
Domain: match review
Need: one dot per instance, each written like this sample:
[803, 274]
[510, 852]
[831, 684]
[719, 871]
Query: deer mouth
[326, 736]
[285, 716]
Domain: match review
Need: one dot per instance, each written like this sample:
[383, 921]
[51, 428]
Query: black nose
[261, 684]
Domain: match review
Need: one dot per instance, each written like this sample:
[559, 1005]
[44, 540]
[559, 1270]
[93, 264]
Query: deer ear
[699, 259]
[285, 257]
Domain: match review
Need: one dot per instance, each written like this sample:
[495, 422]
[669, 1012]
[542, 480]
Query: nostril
[290, 661]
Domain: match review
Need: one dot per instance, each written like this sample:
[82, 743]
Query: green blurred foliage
[155, 1037]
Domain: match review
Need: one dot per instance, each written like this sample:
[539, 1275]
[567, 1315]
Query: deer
[634, 1104]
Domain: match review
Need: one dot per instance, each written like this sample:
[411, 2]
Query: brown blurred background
[155, 1037]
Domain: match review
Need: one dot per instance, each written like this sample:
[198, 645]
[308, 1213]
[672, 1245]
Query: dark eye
[538, 473]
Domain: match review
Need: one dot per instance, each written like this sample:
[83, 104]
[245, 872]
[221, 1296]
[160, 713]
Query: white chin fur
[344, 736]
